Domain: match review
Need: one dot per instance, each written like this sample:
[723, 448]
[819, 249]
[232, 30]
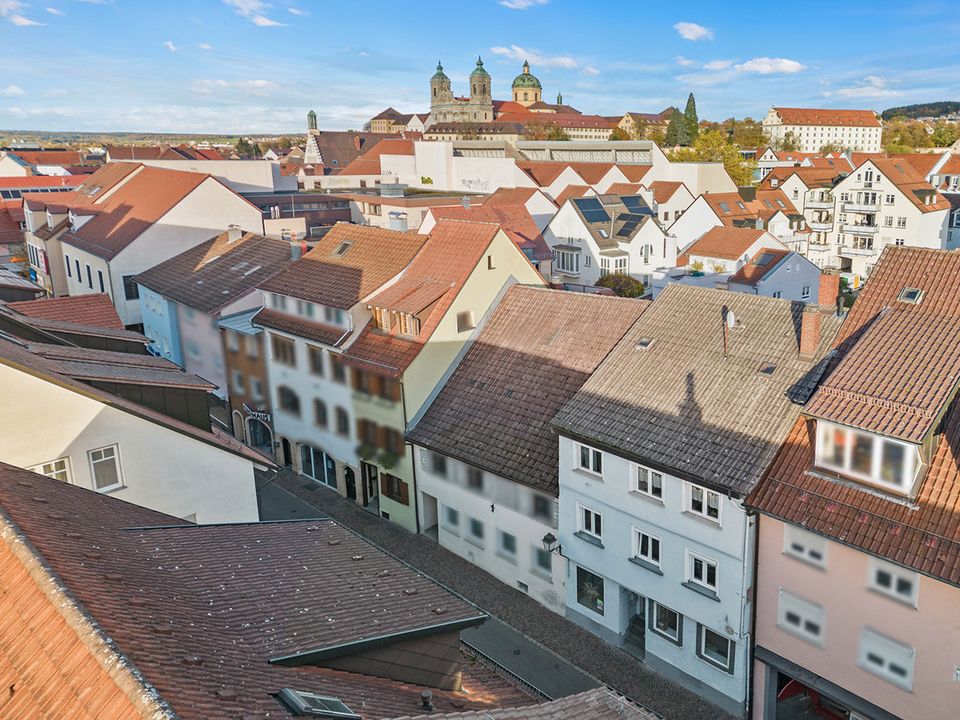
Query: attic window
[774, 182]
[644, 343]
[603, 233]
[910, 295]
[342, 249]
[724, 207]
[305, 703]
[767, 368]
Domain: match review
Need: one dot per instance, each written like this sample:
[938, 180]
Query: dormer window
[878, 460]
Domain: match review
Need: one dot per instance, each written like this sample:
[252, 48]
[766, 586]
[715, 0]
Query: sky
[250, 66]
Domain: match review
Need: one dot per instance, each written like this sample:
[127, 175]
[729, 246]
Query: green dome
[526, 80]
[439, 74]
[479, 71]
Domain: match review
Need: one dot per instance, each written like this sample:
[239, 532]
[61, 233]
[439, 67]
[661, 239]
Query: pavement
[543, 649]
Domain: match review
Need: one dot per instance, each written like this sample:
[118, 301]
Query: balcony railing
[856, 252]
[859, 229]
[820, 204]
[825, 225]
[819, 247]
[861, 206]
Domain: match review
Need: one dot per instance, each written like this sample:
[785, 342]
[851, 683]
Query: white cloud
[205, 46]
[254, 11]
[692, 31]
[13, 10]
[685, 62]
[590, 70]
[170, 46]
[515, 52]
[770, 66]
[871, 86]
[12, 91]
[250, 87]
[522, 4]
[297, 11]
[54, 11]
[718, 65]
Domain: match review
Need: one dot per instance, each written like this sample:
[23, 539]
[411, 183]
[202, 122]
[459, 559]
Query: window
[131, 291]
[320, 413]
[589, 459]
[233, 341]
[590, 590]
[451, 518]
[901, 222]
[253, 346]
[542, 507]
[804, 545]
[507, 545]
[288, 400]
[284, 351]
[703, 502]
[100, 279]
[77, 265]
[343, 422]
[777, 294]
[646, 547]
[567, 261]
[56, 469]
[315, 356]
[338, 369]
[396, 489]
[893, 580]
[90, 279]
[305, 703]
[465, 321]
[800, 617]
[438, 464]
[542, 560]
[236, 381]
[715, 649]
[649, 482]
[476, 531]
[887, 658]
[805, 292]
[888, 221]
[589, 522]
[105, 468]
[702, 571]
[475, 479]
[67, 258]
[256, 389]
[666, 622]
[879, 460]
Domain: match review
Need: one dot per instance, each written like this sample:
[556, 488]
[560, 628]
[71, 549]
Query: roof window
[767, 369]
[910, 295]
[342, 249]
[644, 343]
[310, 704]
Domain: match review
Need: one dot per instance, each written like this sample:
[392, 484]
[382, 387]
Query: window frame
[116, 462]
[54, 473]
[795, 535]
[637, 535]
[702, 631]
[689, 491]
[595, 459]
[911, 460]
[582, 524]
[652, 607]
[806, 611]
[650, 473]
[600, 608]
[691, 557]
[897, 573]
[870, 636]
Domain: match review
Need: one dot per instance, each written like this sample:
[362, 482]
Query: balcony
[862, 207]
[820, 204]
[819, 247]
[856, 252]
[822, 226]
[859, 229]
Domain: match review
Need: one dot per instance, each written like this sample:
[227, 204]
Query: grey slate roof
[683, 407]
[533, 353]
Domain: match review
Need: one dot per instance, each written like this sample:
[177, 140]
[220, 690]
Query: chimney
[829, 290]
[398, 221]
[758, 223]
[357, 142]
[465, 201]
[234, 233]
[809, 332]
[426, 700]
[296, 250]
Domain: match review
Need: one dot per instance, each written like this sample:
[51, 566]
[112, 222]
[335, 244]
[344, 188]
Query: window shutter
[404, 493]
[384, 485]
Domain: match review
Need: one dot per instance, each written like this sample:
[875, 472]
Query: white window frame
[897, 574]
[692, 490]
[51, 469]
[890, 653]
[653, 541]
[911, 456]
[692, 558]
[596, 458]
[805, 546]
[806, 613]
[731, 649]
[652, 476]
[587, 523]
[116, 460]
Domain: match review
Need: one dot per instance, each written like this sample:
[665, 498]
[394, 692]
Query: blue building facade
[160, 324]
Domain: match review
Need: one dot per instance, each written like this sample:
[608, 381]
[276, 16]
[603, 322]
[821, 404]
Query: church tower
[480, 84]
[526, 87]
[440, 92]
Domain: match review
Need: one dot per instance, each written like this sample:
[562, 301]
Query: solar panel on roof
[634, 203]
[592, 209]
[764, 259]
[627, 229]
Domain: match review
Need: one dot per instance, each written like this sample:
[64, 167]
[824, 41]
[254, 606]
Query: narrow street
[546, 651]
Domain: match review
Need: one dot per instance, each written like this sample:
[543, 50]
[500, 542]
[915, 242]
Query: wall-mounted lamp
[550, 543]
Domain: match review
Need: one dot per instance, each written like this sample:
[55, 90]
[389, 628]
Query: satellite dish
[731, 320]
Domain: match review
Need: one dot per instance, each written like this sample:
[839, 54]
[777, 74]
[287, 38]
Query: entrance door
[350, 480]
[370, 477]
[430, 508]
[635, 640]
[260, 435]
[287, 452]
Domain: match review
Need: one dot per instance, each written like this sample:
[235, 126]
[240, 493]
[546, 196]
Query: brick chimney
[809, 332]
[829, 290]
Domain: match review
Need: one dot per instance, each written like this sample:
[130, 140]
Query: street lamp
[550, 543]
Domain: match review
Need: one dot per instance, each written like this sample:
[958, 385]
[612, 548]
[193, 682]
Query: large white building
[811, 129]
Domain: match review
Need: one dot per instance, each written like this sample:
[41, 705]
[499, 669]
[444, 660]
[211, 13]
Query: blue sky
[247, 65]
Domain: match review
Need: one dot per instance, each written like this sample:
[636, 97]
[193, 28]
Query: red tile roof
[663, 190]
[828, 117]
[10, 231]
[369, 162]
[49, 157]
[810, 176]
[510, 196]
[572, 191]
[724, 242]
[911, 183]
[190, 616]
[374, 256]
[758, 267]
[542, 172]
[40, 181]
[634, 173]
[95, 309]
[515, 220]
[592, 172]
[766, 204]
[621, 188]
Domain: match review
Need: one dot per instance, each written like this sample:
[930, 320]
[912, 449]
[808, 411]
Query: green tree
[830, 148]
[690, 115]
[677, 131]
[619, 134]
[944, 134]
[788, 143]
[622, 284]
[713, 146]
[244, 148]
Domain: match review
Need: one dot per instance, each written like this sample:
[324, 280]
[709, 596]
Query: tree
[619, 134]
[244, 148]
[690, 115]
[830, 148]
[712, 146]
[622, 284]
[788, 142]
[543, 131]
[678, 133]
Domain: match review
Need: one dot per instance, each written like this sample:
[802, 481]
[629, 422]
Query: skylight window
[305, 703]
[724, 207]
[252, 270]
[910, 295]
[644, 343]
[767, 369]
[342, 249]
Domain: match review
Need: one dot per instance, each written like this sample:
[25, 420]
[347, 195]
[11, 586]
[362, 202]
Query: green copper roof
[525, 79]
[479, 69]
[439, 73]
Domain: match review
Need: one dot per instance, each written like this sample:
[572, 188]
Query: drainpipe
[753, 611]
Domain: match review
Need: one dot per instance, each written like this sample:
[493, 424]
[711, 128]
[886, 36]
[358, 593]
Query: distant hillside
[934, 109]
